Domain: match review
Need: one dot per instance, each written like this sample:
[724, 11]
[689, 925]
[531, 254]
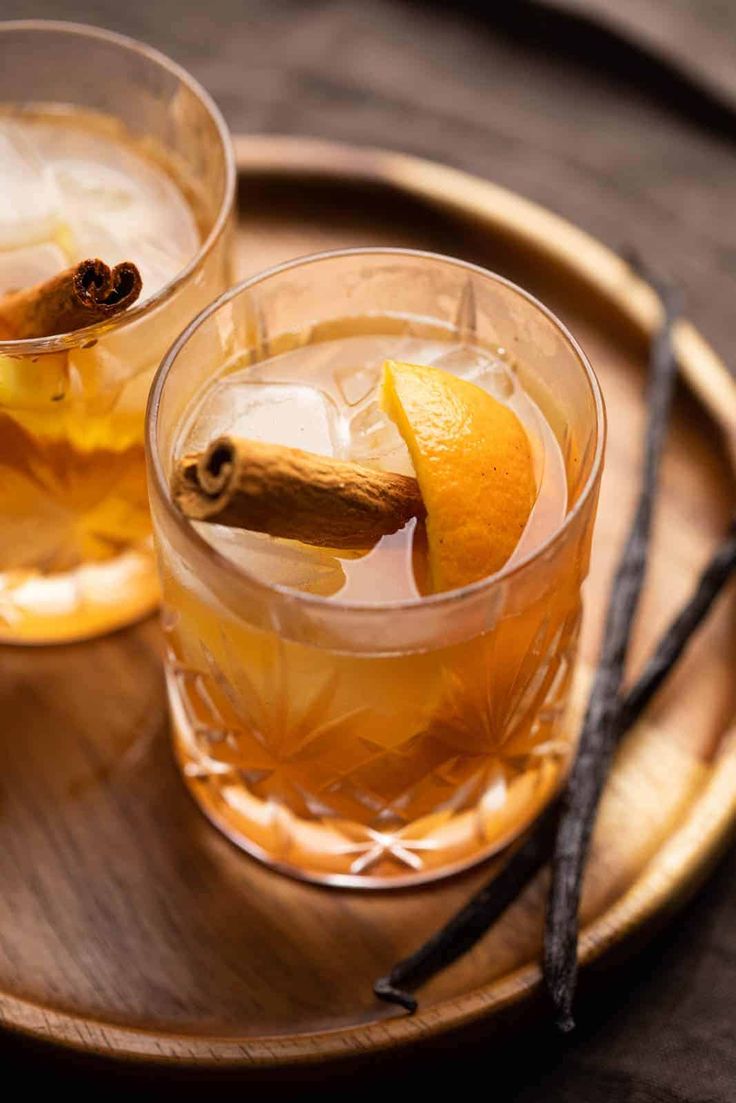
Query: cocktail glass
[75, 548]
[371, 742]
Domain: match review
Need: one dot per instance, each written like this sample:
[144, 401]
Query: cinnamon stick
[87, 293]
[294, 494]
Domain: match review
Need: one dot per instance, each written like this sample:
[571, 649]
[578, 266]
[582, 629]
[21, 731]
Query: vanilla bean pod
[597, 739]
[679, 633]
[468, 925]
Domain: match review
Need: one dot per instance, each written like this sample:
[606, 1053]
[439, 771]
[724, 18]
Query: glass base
[349, 854]
[77, 605]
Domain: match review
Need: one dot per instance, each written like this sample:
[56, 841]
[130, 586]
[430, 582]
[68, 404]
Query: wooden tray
[129, 927]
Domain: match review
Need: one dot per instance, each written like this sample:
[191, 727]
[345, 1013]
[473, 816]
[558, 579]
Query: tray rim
[682, 860]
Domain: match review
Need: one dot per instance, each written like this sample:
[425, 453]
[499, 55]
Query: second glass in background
[81, 158]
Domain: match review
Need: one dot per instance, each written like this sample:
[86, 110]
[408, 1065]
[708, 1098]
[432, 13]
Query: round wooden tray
[129, 927]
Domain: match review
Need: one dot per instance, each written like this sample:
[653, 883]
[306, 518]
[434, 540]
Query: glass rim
[62, 342]
[333, 605]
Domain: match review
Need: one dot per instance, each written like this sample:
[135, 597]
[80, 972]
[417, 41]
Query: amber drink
[106, 150]
[332, 714]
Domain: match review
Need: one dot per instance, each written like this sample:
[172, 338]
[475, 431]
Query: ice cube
[375, 440]
[278, 562]
[29, 211]
[101, 189]
[281, 413]
[99, 376]
[360, 360]
[126, 212]
[107, 238]
[480, 367]
[23, 267]
[355, 384]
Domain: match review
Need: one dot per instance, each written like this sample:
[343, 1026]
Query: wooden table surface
[634, 162]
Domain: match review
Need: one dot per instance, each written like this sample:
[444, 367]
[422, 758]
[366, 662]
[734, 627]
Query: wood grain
[129, 926]
[695, 37]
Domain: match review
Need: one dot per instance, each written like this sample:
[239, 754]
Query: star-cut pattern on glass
[76, 509]
[500, 713]
[287, 745]
[280, 732]
[379, 846]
